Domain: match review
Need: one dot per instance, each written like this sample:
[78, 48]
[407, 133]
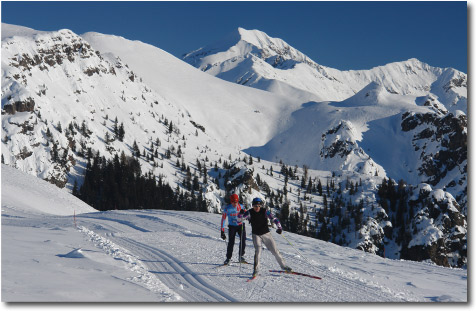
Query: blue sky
[342, 35]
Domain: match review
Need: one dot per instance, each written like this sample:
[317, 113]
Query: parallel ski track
[205, 224]
[181, 275]
[202, 290]
[170, 270]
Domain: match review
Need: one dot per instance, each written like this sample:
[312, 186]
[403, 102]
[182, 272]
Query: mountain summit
[252, 58]
[242, 44]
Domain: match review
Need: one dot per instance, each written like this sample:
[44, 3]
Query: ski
[296, 273]
[233, 263]
[243, 262]
[252, 278]
[222, 265]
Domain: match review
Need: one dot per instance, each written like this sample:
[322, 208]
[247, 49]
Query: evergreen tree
[294, 222]
[309, 185]
[196, 183]
[324, 233]
[49, 136]
[84, 129]
[284, 216]
[75, 188]
[135, 149]
[121, 132]
[107, 138]
[199, 166]
[205, 174]
[54, 152]
[115, 128]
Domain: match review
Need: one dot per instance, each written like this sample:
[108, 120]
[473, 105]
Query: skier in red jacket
[235, 226]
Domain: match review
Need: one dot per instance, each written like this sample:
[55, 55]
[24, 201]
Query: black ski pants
[232, 231]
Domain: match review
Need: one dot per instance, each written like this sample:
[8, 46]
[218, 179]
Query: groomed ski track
[182, 249]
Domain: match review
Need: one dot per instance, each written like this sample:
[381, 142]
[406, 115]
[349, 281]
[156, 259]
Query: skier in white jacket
[258, 217]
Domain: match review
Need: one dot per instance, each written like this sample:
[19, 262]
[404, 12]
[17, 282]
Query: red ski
[296, 273]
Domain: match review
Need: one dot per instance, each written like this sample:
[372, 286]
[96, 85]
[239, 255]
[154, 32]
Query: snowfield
[54, 248]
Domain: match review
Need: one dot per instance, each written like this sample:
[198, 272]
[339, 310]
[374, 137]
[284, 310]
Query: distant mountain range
[259, 118]
[373, 104]
[252, 58]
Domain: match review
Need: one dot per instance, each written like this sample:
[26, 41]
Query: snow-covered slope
[315, 121]
[60, 93]
[30, 194]
[173, 256]
[235, 115]
[60, 98]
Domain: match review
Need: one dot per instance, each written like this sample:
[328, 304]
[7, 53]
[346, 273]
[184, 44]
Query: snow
[13, 30]
[439, 195]
[428, 235]
[33, 189]
[227, 109]
[173, 256]
[75, 253]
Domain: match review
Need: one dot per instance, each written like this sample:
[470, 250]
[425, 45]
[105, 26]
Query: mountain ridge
[414, 76]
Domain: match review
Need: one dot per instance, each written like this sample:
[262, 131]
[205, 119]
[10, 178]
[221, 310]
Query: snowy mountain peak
[252, 58]
[269, 46]
[243, 44]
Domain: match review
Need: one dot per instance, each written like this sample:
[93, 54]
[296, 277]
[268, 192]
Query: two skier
[258, 217]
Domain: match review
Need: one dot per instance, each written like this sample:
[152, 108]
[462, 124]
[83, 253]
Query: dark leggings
[232, 231]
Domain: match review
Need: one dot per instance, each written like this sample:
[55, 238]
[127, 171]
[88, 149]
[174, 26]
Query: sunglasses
[257, 204]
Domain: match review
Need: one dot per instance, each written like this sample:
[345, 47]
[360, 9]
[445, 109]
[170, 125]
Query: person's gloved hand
[279, 231]
[223, 236]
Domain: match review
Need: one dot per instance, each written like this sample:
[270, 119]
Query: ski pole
[296, 249]
[226, 245]
[241, 237]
